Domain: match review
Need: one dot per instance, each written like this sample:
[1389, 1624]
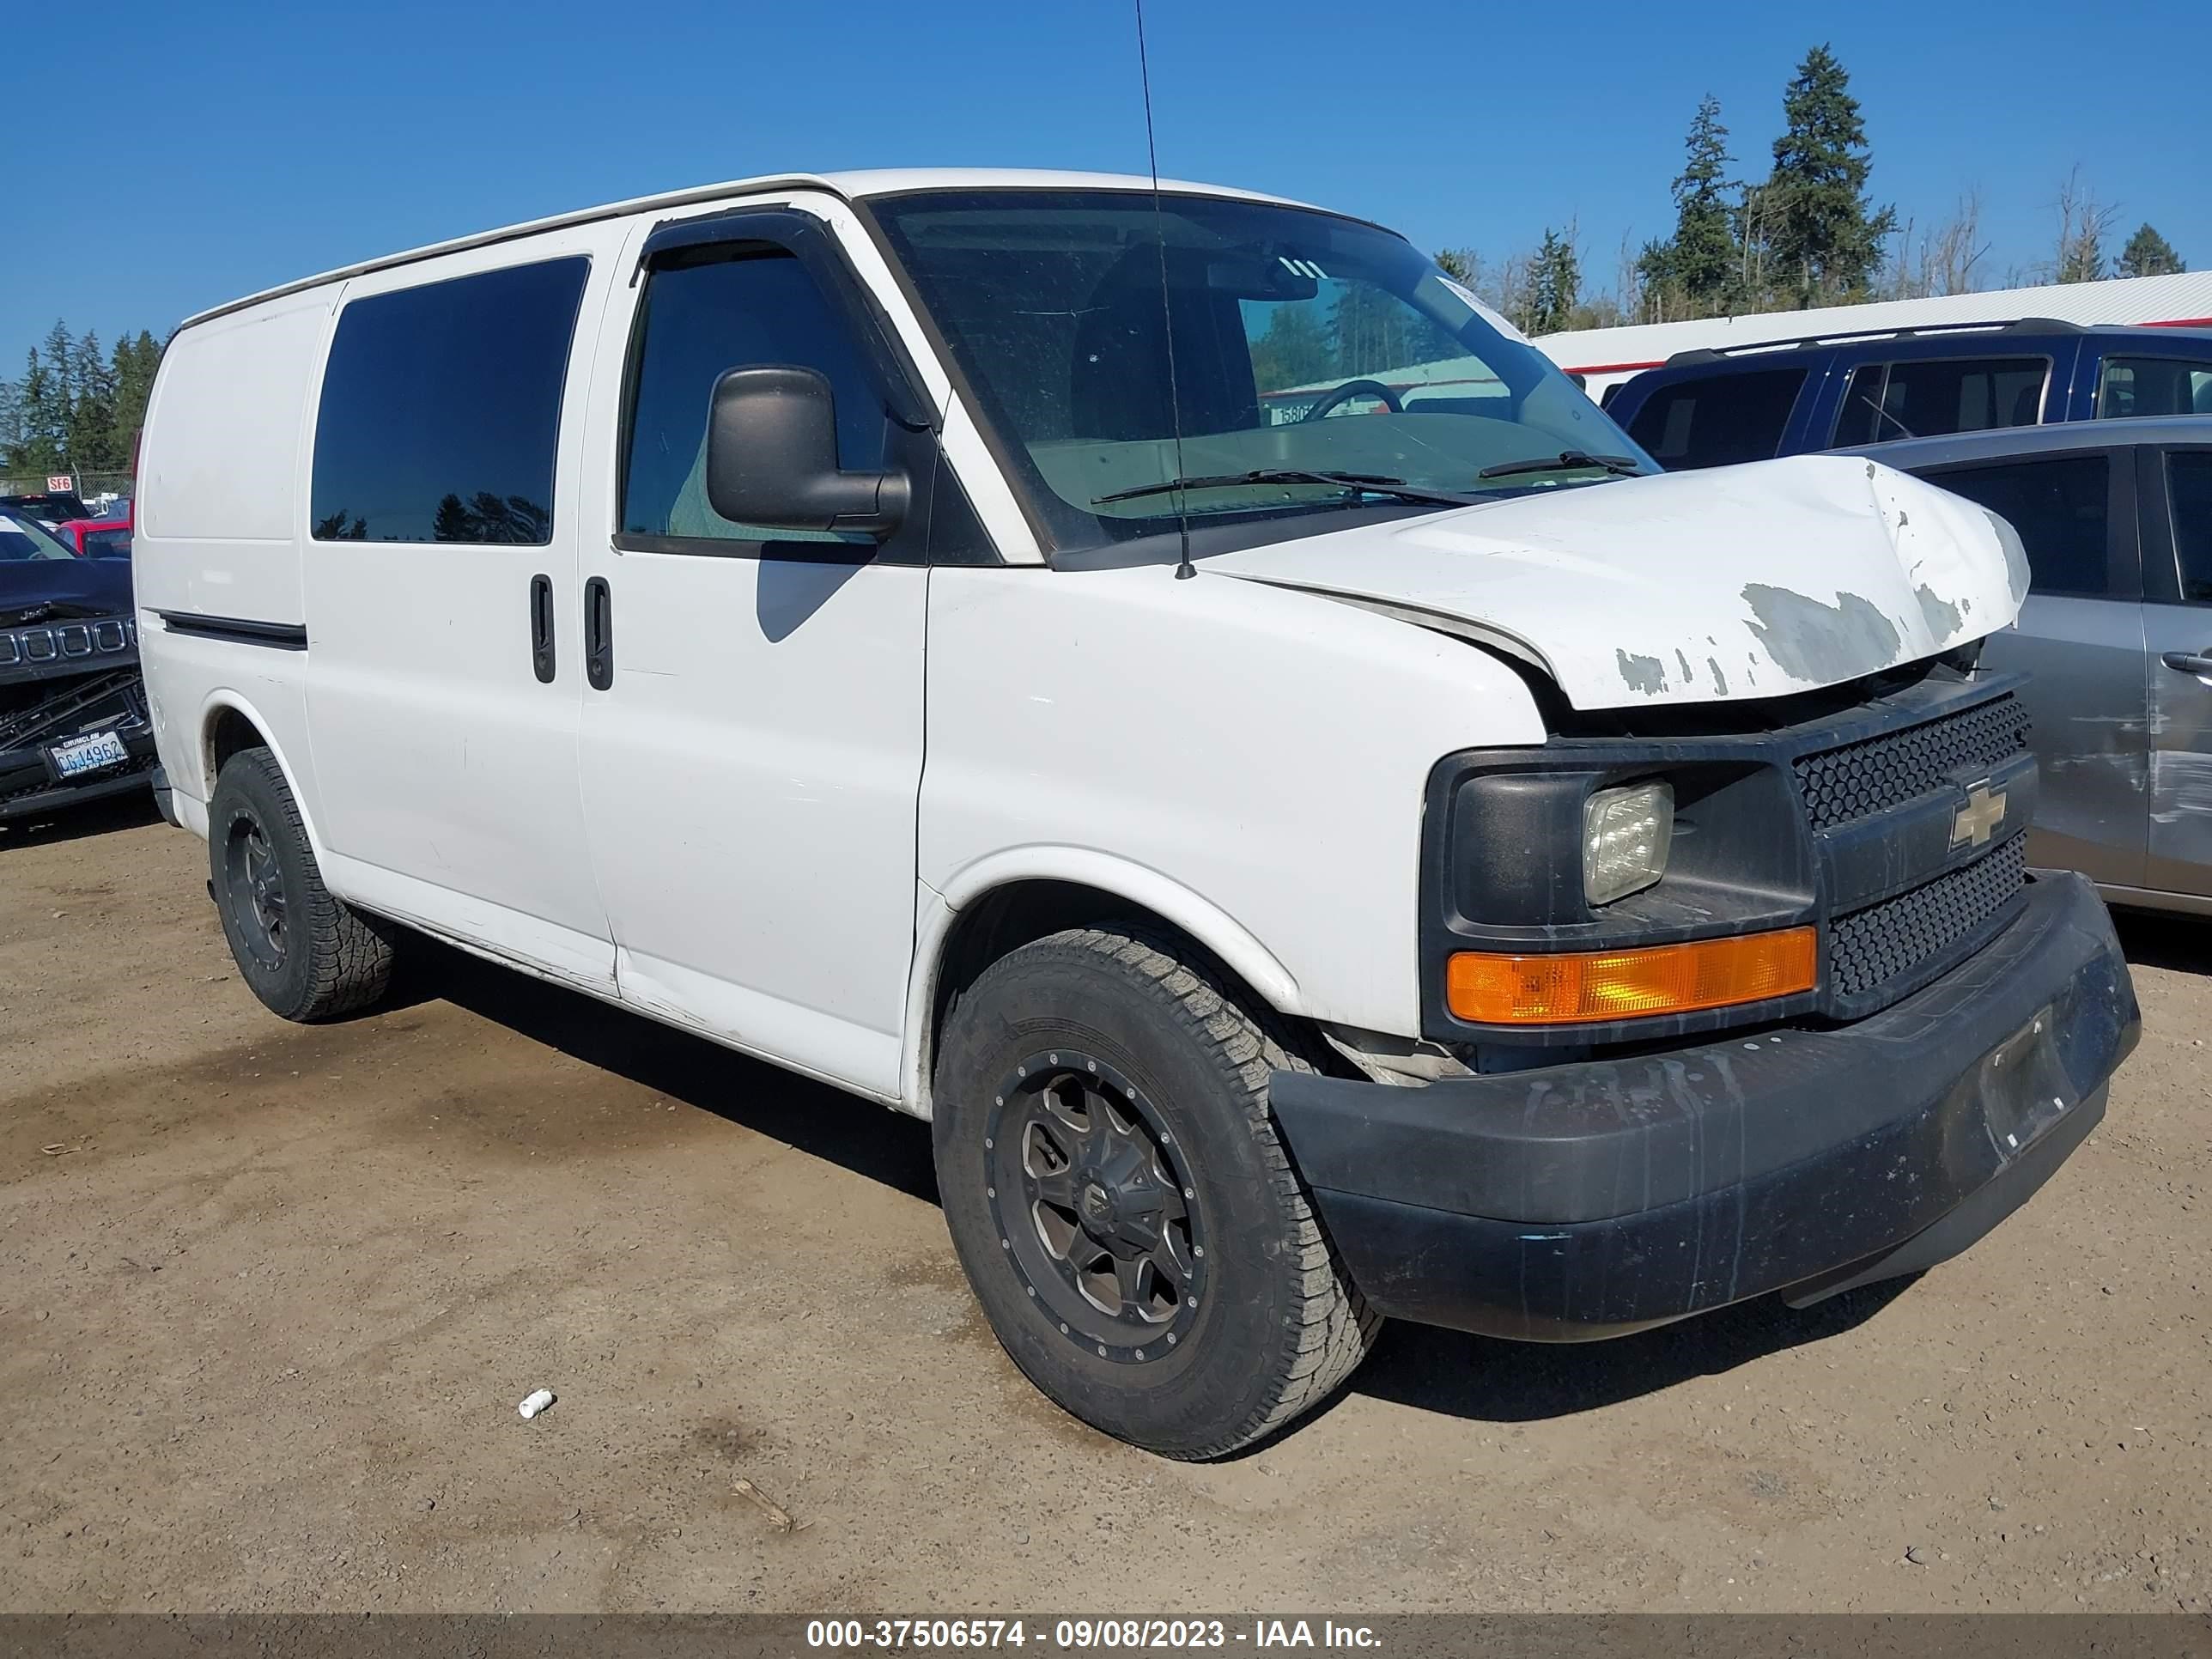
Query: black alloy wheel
[1090, 1202]
[251, 873]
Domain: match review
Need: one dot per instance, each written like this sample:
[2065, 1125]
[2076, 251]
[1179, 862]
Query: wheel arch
[230, 723]
[1003, 902]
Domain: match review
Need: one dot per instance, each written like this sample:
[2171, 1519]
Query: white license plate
[88, 753]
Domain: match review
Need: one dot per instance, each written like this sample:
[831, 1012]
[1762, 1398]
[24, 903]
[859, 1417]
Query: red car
[97, 538]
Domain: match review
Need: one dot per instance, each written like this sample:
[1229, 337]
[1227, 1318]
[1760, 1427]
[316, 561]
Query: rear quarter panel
[216, 534]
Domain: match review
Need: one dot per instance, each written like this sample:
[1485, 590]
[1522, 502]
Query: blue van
[1750, 403]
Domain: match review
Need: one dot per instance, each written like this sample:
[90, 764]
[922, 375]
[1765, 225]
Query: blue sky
[216, 148]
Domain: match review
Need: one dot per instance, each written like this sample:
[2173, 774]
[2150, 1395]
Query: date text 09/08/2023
[1085, 1635]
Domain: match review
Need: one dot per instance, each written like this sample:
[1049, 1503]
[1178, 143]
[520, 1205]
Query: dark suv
[1711, 408]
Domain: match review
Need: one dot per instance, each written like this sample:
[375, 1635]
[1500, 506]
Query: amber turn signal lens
[1493, 990]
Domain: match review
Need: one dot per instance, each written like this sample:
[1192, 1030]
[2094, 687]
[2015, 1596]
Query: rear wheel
[1116, 1192]
[306, 954]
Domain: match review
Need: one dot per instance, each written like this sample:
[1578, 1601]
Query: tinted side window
[2189, 492]
[1931, 396]
[708, 311]
[1860, 420]
[2059, 507]
[2153, 385]
[1718, 420]
[441, 407]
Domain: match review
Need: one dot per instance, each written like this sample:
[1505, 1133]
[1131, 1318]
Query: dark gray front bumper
[1591, 1200]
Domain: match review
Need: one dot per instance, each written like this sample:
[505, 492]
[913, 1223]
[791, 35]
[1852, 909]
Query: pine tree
[452, 522]
[1460, 264]
[1662, 300]
[2150, 254]
[42, 406]
[129, 397]
[2085, 224]
[55, 403]
[1690, 274]
[56, 349]
[2080, 259]
[91, 437]
[1293, 351]
[131, 369]
[1370, 331]
[76, 409]
[1555, 282]
[1823, 237]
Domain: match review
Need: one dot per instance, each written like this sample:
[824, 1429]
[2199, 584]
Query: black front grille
[1876, 774]
[1869, 948]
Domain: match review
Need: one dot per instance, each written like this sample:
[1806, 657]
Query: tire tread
[349, 954]
[1331, 1327]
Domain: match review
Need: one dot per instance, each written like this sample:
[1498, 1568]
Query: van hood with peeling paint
[1730, 583]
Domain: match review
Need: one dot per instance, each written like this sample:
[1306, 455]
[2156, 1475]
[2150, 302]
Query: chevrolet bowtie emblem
[1979, 819]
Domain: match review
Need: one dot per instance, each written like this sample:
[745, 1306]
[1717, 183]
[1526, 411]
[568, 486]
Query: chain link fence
[88, 484]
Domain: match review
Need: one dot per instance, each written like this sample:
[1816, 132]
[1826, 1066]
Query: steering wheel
[1351, 389]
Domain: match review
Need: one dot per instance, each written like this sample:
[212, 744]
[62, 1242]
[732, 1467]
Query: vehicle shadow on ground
[73, 821]
[1488, 1381]
[885, 1146]
[2155, 938]
[1460, 1375]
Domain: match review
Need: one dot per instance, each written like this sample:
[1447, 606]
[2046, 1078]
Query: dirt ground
[269, 1295]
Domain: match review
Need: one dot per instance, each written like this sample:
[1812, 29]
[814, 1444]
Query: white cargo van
[1379, 851]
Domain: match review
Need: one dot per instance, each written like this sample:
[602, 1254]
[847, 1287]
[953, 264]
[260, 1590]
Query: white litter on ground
[535, 1403]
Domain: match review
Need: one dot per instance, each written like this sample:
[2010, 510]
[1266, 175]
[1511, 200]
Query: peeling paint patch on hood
[1730, 583]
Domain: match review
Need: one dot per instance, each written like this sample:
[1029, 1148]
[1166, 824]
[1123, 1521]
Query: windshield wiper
[1567, 461]
[1369, 483]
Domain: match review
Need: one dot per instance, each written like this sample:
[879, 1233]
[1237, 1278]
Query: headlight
[1626, 836]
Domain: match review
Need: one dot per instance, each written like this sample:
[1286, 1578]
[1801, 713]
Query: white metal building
[1606, 357]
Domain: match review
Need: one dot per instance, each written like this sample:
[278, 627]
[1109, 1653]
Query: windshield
[1302, 342]
[23, 538]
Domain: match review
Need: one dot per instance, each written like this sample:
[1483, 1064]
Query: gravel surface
[270, 1295]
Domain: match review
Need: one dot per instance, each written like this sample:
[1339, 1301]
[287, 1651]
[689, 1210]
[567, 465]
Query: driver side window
[708, 311]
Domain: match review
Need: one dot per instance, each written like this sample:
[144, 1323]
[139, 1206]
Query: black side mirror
[772, 457]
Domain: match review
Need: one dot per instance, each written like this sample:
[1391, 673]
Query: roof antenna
[1167, 316]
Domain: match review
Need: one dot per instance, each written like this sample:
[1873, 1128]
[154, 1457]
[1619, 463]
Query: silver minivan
[2116, 635]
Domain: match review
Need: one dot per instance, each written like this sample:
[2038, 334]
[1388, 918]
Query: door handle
[598, 634]
[2188, 662]
[541, 629]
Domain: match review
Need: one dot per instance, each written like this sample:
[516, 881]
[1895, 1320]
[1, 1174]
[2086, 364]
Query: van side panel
[220, 468]
[1190, 746]
[219, 465]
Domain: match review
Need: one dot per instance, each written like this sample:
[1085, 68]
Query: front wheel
[1118, 1196]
